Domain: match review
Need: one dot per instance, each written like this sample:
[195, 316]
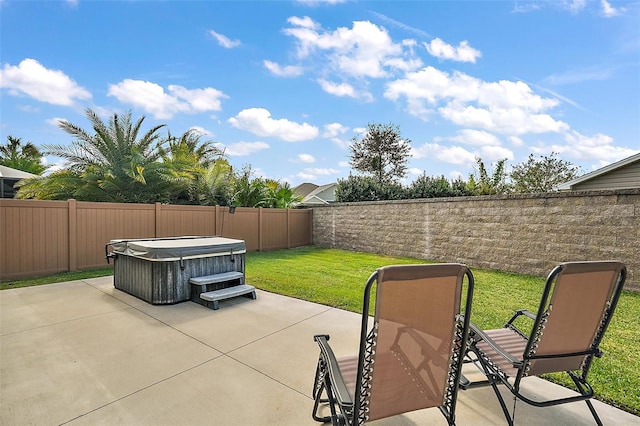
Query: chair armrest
[477, 335]
[333, 370]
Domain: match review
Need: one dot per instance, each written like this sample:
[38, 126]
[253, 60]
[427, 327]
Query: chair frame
[496, 376]
[351, 410]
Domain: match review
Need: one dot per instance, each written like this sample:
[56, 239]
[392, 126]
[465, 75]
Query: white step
[216, 278]
[229, 292]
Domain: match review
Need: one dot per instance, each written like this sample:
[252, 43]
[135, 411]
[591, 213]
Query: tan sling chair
[577, 303]
[410, 355]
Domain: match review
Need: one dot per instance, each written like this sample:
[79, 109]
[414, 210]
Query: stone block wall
[527, 234]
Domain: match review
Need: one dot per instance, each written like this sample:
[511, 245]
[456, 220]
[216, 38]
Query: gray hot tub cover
[169, 249]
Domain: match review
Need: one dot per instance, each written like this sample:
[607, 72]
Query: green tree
[248, 191]
[113, 163]
[367, 188]
[280, 195]
[480, 183]
[213, 185]
[187, 164]
[25, 157]
[541, 175]
[381, 153]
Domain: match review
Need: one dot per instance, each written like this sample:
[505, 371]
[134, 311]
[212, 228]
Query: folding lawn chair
[577, 303]
[410, 355]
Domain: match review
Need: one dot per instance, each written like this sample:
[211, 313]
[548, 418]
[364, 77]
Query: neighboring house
[313, 195]
[625, 174]
[8, 178]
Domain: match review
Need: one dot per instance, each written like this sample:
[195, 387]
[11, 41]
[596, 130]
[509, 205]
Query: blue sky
[285, 85]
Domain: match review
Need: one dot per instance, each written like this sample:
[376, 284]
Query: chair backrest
[575, 316]
[419, 338]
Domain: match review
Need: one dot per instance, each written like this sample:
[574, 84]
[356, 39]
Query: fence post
[288, 228]
[259, 228]
[73, 234]
[216, 214]
[158, 218]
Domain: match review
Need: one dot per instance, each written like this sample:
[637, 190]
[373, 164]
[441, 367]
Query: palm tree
[189, 164]
[115, 163]
[21, 157]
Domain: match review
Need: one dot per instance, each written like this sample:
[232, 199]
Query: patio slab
[84, 352]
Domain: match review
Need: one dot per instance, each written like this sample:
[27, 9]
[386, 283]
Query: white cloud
[597, 147]
[224, 41]
[475, 137]
[313, 173]
[462, 53]
[152, 98]
[343, 89]
[286, 71]
[240, 149]
[505, 107]
[45, 85]
[365, 50]
[306, 158]
[575, 6]
[200, 130]
[609, 11]
[259, 122]
[447, 154]
[516, 141]
[55, 121]
[334, 129]
[494, 153]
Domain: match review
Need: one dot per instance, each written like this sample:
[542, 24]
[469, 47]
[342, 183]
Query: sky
[285, 86]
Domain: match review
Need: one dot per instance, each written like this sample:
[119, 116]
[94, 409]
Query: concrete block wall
[527, 234]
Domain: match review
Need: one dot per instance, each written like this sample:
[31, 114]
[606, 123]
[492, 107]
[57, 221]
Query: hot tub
[157, 270]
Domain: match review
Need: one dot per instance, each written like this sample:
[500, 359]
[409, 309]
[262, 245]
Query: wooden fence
[44, 237]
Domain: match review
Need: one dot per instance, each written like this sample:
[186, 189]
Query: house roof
[9, 173]
[323, 194]
[567, 186]
[304, 189]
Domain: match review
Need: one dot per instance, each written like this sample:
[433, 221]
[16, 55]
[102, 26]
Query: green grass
[336, 278]
[57, 278]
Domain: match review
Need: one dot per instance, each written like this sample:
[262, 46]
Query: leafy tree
[541, 175]
[366, 188]
[381, 153]
[114, 163]
[480, 183]
[430, 187]
[25, 157]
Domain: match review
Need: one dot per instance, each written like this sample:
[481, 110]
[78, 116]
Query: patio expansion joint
[140, 390]
[229, 355]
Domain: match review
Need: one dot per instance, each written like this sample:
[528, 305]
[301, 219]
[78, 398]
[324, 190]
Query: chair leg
[316, 405]
[503, 405]
[593, 412]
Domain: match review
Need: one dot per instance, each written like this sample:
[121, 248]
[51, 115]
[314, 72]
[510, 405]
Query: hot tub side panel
[159, 282]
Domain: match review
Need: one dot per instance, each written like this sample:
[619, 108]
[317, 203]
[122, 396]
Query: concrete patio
[83, 352]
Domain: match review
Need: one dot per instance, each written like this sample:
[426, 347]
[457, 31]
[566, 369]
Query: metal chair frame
[351, 409]
[495, 375]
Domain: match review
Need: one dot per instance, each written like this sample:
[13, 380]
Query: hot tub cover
[169, 249]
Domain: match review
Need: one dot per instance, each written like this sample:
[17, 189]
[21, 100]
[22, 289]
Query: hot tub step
[226, 293]
[216, 278]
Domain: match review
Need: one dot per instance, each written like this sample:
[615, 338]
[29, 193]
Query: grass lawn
[336, 278]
